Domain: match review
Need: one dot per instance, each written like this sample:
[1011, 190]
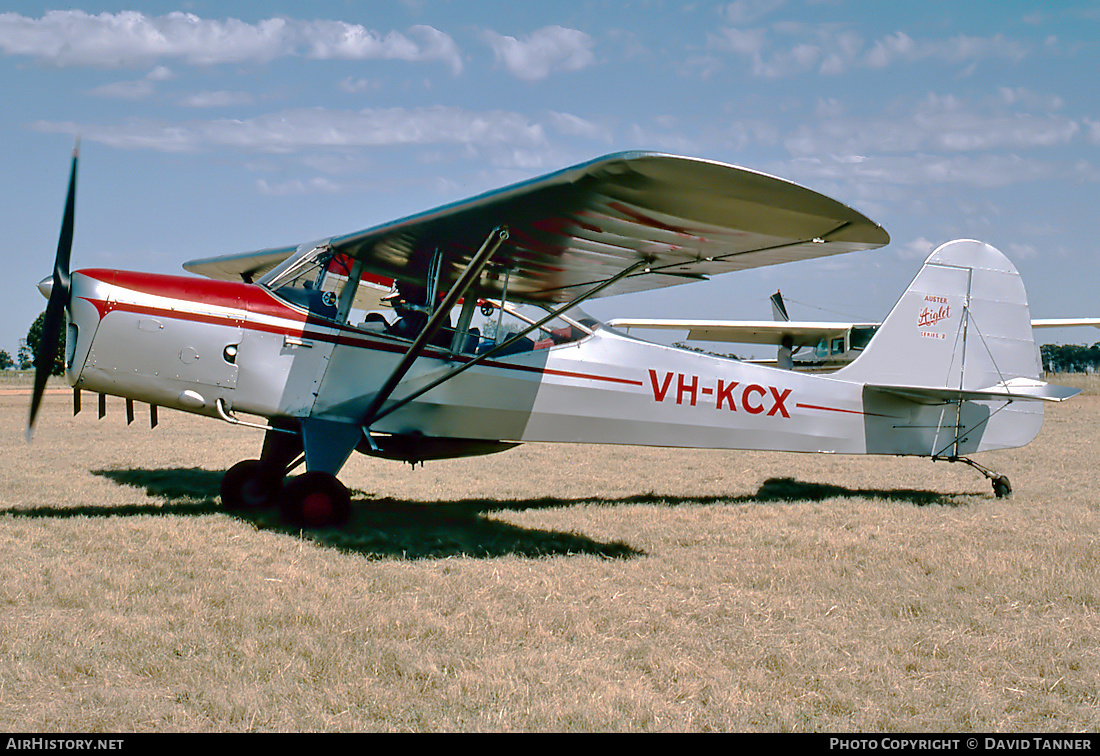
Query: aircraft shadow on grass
[388, 527]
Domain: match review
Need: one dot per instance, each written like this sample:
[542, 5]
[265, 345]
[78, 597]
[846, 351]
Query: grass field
[547, 588]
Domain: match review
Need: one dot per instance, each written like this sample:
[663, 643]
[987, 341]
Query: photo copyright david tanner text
[972, 743]
[63, 744]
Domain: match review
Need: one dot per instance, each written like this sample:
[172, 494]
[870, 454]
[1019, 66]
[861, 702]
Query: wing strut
[373, 414]
[497, 237]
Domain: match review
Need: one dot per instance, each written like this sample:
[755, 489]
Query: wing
[801, 333]
[686, 218]
[243, 267]
[1065, 322]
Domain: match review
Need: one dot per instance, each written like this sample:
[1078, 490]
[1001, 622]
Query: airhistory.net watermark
[63, 744]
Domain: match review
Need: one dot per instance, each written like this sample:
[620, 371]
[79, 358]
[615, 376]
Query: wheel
[315, 500]
[1001, 486]
[245, 487]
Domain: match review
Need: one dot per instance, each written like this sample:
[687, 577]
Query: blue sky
[218, 127]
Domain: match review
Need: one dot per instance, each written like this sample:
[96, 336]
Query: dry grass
[1089, 383]
[547, 588]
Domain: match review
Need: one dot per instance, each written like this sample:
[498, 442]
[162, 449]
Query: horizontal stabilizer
[1015, 389]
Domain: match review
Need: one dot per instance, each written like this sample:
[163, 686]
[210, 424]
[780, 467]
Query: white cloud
[1028, 98]
[358, 86]
[326, 40]
[220, 99]
[750, 42]
[572, 125]
[917, 249]
[748, 11]
[788, 49]
[885, 51]
[125, 90]
[987, 170]
[956, 50]
[318, 185]
[550, 49]
[1092, 130]
[311, 128]
[1085, 171]
[1022, 251]
[129, 38]
[133, 90]
[935, 124]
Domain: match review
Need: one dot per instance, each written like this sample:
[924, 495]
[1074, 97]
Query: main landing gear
[1002, 487]
[313, 499]
[310, 500]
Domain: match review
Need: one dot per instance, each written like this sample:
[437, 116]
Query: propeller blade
[59, 301]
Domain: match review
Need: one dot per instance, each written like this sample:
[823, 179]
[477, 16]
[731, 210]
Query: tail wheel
[247, 487]
[315, 500]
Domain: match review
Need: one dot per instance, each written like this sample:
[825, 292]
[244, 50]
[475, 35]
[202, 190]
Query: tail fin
[954, 366]
[963, 324]
[779, 310]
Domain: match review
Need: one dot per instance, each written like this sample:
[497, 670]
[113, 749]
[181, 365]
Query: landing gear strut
[1002, 487]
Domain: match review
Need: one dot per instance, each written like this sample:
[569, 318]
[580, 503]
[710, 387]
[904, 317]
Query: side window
[497, 325]
[308, 285]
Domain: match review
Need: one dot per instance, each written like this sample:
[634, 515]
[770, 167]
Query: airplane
[831, 344]
[346, 344]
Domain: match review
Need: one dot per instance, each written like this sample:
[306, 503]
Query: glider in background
[830, 345]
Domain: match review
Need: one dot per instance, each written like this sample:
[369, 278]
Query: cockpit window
[316, 282]
[500, 323]
[333, 286]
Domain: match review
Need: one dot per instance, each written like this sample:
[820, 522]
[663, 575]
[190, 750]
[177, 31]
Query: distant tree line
[1070, 358]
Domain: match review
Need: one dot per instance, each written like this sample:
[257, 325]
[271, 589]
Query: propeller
[59, 302]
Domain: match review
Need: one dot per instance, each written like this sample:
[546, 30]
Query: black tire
[315, 500]
[1001, 487]
[245, 488]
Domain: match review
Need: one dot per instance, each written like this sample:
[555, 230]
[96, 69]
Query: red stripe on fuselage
[254, 299]
[838, 409]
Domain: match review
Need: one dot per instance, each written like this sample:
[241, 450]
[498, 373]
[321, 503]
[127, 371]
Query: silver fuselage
[186, 343]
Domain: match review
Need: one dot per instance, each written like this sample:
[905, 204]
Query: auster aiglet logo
[934, 311]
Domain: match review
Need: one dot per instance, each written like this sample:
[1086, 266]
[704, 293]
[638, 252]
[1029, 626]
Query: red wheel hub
[317, 508]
